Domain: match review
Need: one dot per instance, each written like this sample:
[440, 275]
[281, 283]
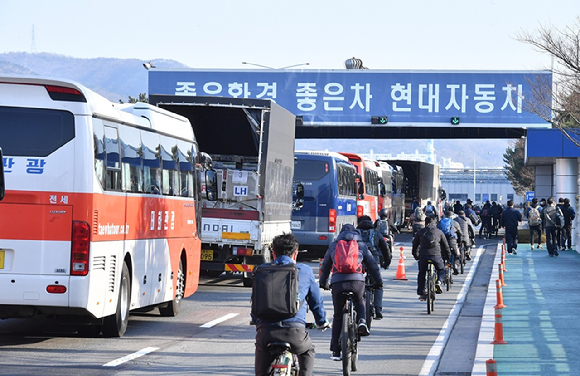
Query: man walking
[535, 222]
[550, 216]
[509, 220]
[569, 216]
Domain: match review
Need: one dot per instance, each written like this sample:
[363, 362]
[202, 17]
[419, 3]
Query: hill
[117, 79]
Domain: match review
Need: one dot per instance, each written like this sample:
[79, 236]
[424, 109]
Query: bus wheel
[174, 306]
[116, 324]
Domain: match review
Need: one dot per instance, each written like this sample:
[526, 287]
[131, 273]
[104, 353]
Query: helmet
[383, 213]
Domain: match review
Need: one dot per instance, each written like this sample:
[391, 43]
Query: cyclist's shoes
[468, 257]
[422, 297]
[363, 329]
[438, 289]
[514, 252]
[378, 315]
[455, 270]
[336, 356]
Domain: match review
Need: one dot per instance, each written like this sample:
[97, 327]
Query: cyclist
[418, 219]
[430, 244]
[429, 210]
[343, 282]
[381, 252]
[467, 232]
[486, 219]
[452, 232]
[496, 211]
[292, 330]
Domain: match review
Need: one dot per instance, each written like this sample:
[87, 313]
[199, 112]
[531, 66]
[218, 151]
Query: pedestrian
[509, 220]
[550, 216]
[486, 219]
[342, 281]
[533, 214]
[457, 207]
[569, 215]
[380, 251]
[291, 330]
[430, 244]
[559, 228]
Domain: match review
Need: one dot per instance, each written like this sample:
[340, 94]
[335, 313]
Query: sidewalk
[541, 323]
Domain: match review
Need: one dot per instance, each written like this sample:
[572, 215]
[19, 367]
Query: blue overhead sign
[353, 97]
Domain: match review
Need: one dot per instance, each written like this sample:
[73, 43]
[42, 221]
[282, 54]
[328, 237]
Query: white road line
[217, 321]
[135, 355]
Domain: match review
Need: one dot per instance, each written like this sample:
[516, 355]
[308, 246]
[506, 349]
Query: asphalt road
[212, 336]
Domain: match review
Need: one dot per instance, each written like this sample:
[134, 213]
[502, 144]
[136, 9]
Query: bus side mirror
[299, 203]
[2, 182]
[361, 190]
[442, 194]
[382, 189]
[211, 185]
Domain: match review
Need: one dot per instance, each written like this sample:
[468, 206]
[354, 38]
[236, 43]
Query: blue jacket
[349, 232]
[307, 287]
[510, 218]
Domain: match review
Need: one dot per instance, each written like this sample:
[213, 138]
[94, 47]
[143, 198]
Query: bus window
[151, 162]
[308, 170]
[170, 157]
[99, 151]
[113, 162]
[186, 165]
[131, 160]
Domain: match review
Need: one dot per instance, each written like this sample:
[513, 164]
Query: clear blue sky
[385, 34]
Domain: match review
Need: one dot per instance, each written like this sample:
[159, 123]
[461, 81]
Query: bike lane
[541, 320]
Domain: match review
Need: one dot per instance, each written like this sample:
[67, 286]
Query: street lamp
[267, 67]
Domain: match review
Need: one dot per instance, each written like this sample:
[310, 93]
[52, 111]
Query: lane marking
[217, 321]
[129, 357]
[434, 357]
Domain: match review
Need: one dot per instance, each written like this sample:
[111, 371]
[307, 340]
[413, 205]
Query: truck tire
[173, 307]
[116, 324]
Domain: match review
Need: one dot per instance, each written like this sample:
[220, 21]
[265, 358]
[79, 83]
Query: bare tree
[558, 103]
[521, 176]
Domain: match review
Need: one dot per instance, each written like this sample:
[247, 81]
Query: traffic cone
[498, 332]
[503, 261]
[499, 295]
[500, 270]
[490, 367]
[401, 276]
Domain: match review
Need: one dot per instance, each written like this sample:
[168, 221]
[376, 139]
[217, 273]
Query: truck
[251, 144]
[423, 183]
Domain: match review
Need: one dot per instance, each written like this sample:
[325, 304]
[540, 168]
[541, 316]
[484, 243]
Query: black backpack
[429, 240]
[275, 294]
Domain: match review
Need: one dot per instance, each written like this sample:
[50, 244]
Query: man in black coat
[510, 218]
[430, 244]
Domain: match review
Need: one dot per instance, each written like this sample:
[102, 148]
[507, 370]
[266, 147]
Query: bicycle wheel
[345, 343]
[369, 298]
[354, 349]
[448, 276]
[432, 291]
[429, 295]
[462, 259]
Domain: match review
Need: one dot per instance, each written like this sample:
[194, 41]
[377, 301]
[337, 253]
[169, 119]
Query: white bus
[102, 207]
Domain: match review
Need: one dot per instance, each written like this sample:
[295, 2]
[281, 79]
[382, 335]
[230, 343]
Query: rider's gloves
[385, 265]
[325, 287]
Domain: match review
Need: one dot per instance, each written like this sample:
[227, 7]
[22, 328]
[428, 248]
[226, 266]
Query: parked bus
[329, 198]
[101, 214]
[367, 203]
[385, 200]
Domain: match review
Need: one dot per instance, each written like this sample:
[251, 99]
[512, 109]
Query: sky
[384, 34]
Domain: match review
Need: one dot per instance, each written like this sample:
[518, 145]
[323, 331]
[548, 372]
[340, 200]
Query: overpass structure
[376, 103]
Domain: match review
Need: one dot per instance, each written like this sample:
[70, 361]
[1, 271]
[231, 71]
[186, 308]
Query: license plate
[295, 225]
[207, 254]
[1, 259]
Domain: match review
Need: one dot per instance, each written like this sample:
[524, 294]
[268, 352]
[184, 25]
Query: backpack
[474, 219]
[485, 213]
[534, 217]
[346, 257]
[275, 294]
[368, 237]
[429, 210]
[419, 215]
[428, 239]
[446, 225]
[383, 227]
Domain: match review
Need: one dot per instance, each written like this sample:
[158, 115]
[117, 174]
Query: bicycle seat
[278, 348]
[348, 294]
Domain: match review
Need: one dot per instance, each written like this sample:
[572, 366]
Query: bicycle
[431, 278]
[349, 336]
[448, 275]
[369, 300]
[462, 261]
[286, 363]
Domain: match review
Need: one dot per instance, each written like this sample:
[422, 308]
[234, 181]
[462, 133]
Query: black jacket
[379, 240]
[441, 247]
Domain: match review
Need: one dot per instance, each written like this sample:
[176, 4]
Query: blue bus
[330, 192]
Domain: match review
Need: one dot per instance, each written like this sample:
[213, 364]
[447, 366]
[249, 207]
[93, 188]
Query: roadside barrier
[498, 333]
[499, 295]
[500, 269]
[401, 276]
[491, 367]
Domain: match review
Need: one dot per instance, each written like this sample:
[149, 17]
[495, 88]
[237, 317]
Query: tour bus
[385, 199]
[367, 202]
[329, 198]
[101, 214]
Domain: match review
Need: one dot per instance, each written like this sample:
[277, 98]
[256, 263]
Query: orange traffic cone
[401, 276]
[498, 332]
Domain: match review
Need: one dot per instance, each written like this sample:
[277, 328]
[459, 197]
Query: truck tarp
[232, 126]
